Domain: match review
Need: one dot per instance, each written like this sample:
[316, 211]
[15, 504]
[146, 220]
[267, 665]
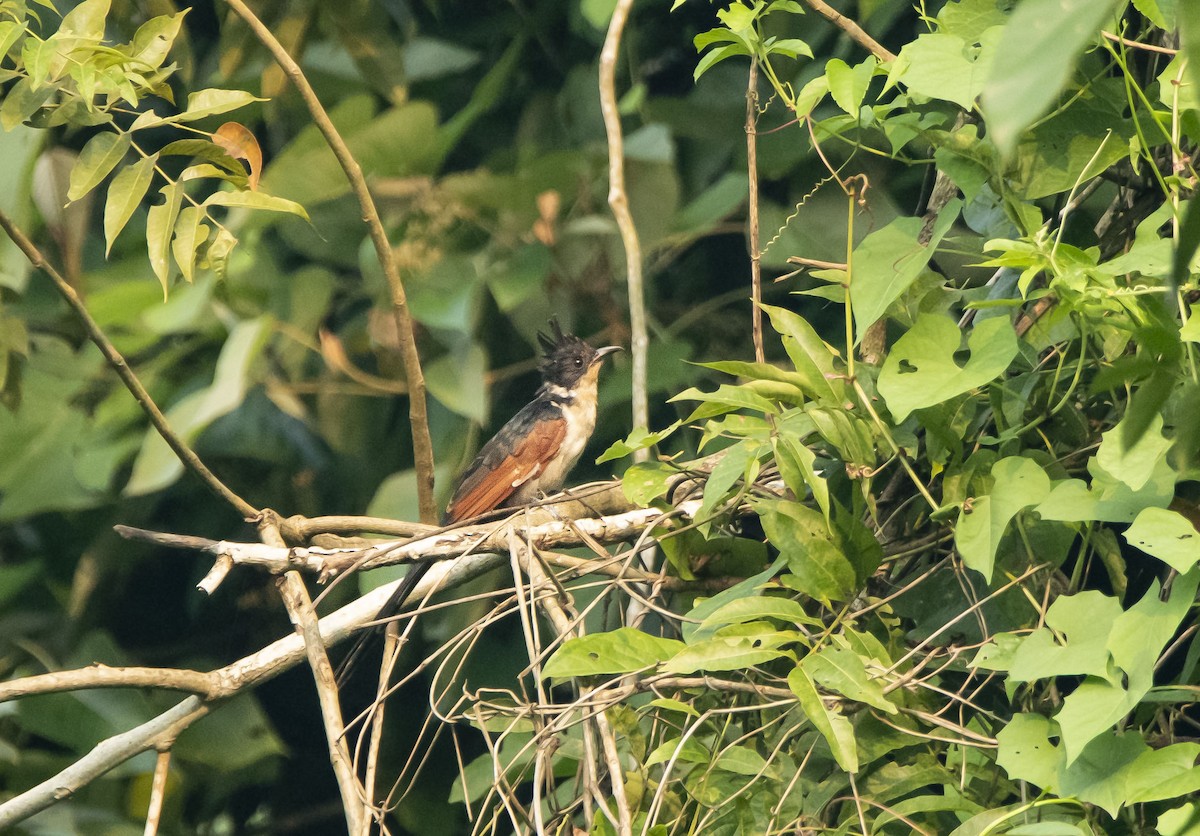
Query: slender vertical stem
[752, 172]
[422, 443]
[618, 199]
[851, 194]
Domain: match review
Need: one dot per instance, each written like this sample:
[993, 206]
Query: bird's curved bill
[601, 353]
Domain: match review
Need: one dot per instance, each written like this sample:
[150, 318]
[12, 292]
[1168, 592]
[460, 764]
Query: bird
[530, 456]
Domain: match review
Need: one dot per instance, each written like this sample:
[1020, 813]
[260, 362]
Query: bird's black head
[568, 359]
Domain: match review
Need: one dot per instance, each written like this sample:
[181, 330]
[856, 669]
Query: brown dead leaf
[548, 205]
[240, 143]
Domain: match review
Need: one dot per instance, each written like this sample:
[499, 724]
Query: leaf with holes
[1167, 535]
[189, 234]
[623, 650]
[1018, 483]
[160, 227]
[921, 370]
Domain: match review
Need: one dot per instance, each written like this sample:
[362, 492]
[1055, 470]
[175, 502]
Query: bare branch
[448, 543]
[852, 29]
[154, 734]
[103, 676]
[422, 445]
[300, 611]
[618, 199]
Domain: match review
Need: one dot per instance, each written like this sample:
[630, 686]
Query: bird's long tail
[368, 638]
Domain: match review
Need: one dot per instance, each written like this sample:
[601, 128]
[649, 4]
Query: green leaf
[623, 650]
[1034, 58]
[86, 20]
[21, 101]
[1026, 753]
[725, 399]
[1187, 243]
[1167, 535]
[160, 227]
[730, 653]
[37, 57]
[691, 627]
[739, 461]
[1125, 481]
[1074, 642]
[256, 200]
[154, 39]
[639, 439]
[812, 358]
[835, 728]
[921, 371]
[685, 751]
[189, 234]
[889, 260]
[946, 67]
[212, 101]
[156, 465]
[758, 607]
[849, 85]
[96, 160]
[796, 463]
[758, 371]
[459, 380]
[819, 567]
[668, 704]
[125, 194]
[1133, 464]
[1019, 483]
[841, 670]
[236, 737]
[644, 482]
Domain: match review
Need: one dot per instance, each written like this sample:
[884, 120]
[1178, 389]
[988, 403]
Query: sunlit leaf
[154, 39]
[190, 233]
[623, 650]
[256, 200]
[160, 227]
[1167, 535]
[921, 371]
[99, 157]
[125, 194]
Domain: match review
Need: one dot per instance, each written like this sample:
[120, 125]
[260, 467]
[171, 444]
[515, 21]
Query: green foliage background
[951, 618]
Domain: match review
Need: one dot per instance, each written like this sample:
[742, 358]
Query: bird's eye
[578, 362]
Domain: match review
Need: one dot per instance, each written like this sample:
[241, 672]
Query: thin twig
[1139, 45]
[185, 453]
[300, 611]
[304, 618]
[158, 791]
[852, 29]
[422, 444]
[752, 174]
[618, 199]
